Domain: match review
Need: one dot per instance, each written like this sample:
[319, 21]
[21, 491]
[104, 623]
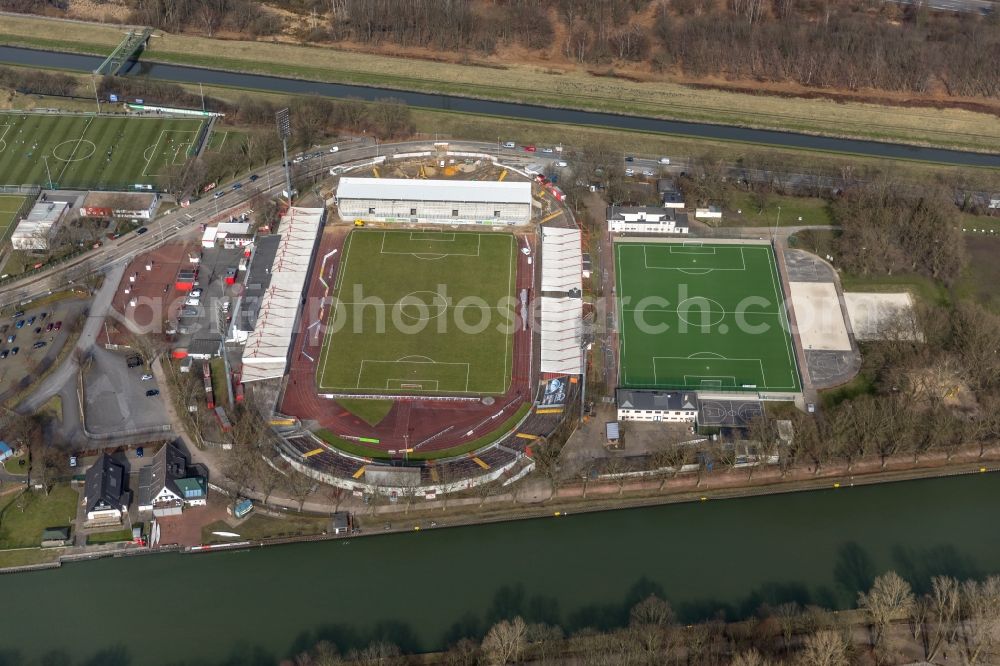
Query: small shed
[5, 451]
[341, 523]
[55, 536]
[613, 433]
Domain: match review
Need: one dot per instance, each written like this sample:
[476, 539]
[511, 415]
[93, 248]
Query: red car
[58, 325]
[49, 327]
[530, 149]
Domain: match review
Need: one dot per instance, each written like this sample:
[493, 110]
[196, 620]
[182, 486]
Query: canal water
[185, 74]
[426, 589]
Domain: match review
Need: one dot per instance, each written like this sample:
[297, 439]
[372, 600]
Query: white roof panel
[413, 189]
[561, 335]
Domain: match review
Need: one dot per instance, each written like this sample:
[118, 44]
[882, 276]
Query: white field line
[76, 148]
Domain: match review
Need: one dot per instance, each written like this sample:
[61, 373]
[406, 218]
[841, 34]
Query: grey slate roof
[257, 281]
[656, 400]
[105, 485]
[618, 213]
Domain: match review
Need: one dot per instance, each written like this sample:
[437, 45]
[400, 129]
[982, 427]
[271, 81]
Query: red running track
[410, 421]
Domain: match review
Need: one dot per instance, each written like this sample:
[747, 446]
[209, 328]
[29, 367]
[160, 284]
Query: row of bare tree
[895, 625]
[37, 82]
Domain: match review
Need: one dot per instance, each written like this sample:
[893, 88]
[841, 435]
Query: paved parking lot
[115, 399]
[19, 371]
[210, 321]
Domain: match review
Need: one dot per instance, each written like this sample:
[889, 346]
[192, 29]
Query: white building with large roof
[265, 355]
[414, 200]
[35, 232]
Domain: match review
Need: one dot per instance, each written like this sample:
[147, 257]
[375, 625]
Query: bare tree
[981, 616]
[889, 598]
[504, 642]
[824, 648]
[650, 620]
[299, 486]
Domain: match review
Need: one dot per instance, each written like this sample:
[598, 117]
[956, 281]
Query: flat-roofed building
[34, 233]
[646, 220]
[652, 405]
[435, 201]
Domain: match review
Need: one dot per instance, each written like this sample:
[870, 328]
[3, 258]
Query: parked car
[139, 452]
[38, 329]
[4, 354]
[647, 172]
[141, 230]
[196, 293]
[299, 160]
[31, 320]
[48, 327]
[189, 311]
[43, 315]
[58, 325]
[151, 392]
[133, 361]
[13, 352]
[192, 301]
[629, 158]
[334, 149]
[20, 324]
[39, 344]
[547, 150]
[562, 164]
[19, 313]
[10, 338]
[147, 377]
[664, 160]
[629, 172]
[72, 461]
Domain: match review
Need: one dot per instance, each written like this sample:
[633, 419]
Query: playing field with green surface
[421, 312]
[90, 151]
[9, 205]
[702, 316]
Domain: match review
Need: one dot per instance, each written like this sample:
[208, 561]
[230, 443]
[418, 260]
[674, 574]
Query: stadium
[416, 353]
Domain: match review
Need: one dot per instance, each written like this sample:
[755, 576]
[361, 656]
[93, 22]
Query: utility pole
[285, 131]
[777, 221]
[48, 173]
[202, 89]
[97, 98]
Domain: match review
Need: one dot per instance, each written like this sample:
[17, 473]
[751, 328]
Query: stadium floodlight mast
[284, 132]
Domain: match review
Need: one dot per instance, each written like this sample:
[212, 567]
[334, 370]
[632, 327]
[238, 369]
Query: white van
[509, 144]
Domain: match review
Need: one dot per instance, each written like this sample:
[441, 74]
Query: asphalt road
[964, 6]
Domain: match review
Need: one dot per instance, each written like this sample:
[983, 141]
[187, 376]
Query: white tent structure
[562, 305]
[265, 355]
[562, 259]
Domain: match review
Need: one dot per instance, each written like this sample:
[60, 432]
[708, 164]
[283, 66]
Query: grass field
[19, 529]
[9, 205]
[421, 312]
[702, 316]
[795, 211]
[91, 151]
[573, 87]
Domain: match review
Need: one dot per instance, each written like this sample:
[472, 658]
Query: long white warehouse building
[434, 201]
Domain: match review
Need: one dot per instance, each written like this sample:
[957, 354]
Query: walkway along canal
[424, 590]
[186, 74]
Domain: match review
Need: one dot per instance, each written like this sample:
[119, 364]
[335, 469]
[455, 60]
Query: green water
[424, 590]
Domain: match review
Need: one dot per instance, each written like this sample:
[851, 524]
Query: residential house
[655, 405]
[669, 194]
[170, 483]
[646, 220]
[105, 498]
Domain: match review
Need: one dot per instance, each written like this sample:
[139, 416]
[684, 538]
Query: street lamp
[284, 132]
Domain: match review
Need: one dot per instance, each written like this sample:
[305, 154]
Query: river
[425, 589]
[184, 74]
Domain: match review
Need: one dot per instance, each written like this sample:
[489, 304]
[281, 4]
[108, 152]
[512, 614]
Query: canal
[183, 74]
[424, 590]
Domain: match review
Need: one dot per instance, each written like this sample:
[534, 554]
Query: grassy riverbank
[574, 88]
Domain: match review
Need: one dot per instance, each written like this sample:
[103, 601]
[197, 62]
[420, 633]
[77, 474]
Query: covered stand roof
[265, 355]
[407, 189]
[562, 259]
[562, 306]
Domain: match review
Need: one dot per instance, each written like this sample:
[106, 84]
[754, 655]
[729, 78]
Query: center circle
[414, 307]
[709, 311]
[74, 150]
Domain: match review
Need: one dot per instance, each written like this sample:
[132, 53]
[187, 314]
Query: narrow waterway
[424, 590]
[185, 74]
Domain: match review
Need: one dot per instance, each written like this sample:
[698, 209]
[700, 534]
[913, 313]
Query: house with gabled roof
[105, 497]
[170, 483]
[655, 405]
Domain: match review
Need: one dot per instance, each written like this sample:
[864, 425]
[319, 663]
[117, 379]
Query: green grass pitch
[399, 296]
[9, 205]
[89, 151]
[702, 316]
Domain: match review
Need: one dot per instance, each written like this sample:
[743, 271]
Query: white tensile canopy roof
[265, 355]
[562, 259]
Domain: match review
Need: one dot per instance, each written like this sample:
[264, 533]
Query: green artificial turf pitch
[88, 151]
[702, 316]
[9, 205]
[421, 312]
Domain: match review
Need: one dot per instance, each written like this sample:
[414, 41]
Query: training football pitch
[89, 151]
[9, 205]
[702, 316]
[421, 312]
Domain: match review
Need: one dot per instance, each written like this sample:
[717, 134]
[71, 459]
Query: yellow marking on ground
[314, 452]
[480, 463]
[524, 435]
[282, 422]
[361, 470]
[550, 410]
[551, 216]
[375, 172]
[503, 174]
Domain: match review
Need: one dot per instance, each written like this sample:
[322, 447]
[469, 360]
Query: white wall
[435, 212]
[675, 416]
